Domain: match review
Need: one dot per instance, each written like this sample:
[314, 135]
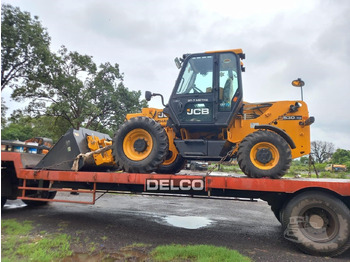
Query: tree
[23, 127]
[72, 88]
[3, 113]
[341, 156]
[322, 150]
[24, 47]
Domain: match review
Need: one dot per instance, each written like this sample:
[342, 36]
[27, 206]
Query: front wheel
[264, 154]
[318, 223]
[140, 145]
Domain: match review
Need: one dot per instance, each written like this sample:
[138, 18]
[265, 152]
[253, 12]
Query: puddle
[188, 222]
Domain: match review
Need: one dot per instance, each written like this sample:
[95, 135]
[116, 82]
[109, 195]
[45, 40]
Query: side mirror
[298, 82]
[148, 95]
[178, 63]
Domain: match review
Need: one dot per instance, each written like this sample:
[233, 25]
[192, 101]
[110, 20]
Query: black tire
[318, 223]
[264, 154]
[174, 167]
[46, 194]
[38, 194]
[145, 147]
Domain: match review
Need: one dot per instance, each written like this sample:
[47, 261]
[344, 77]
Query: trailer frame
[281, 194]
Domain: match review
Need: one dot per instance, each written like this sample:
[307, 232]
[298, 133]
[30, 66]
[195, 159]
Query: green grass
[12, 227]
[200, 253]
[21, 241]
[295, 169]
[19, 244]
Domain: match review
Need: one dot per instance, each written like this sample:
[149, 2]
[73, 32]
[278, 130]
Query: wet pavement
[117, 221]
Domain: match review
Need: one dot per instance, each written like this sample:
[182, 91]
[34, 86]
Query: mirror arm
[149, 95]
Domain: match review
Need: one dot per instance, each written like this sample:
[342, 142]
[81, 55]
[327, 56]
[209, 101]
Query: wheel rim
[319, 224]
[264, 155]
[137, 144]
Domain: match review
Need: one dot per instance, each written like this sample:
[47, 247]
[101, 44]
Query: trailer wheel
[140, 145]
[264, 154]
[318, 223]
[46, 194]
[38, 194]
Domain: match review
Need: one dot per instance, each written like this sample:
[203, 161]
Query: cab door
[193, 100]
[207, 91]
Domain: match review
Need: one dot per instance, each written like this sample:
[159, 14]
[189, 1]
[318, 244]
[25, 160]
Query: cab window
[197, 76]
[228, 81]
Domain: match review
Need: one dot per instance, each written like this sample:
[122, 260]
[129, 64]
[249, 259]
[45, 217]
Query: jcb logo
[161, 115]
[197, 111]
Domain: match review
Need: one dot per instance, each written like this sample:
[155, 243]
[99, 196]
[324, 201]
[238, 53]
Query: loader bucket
[62, 155]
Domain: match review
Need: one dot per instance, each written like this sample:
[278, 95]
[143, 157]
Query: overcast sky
[283, 40]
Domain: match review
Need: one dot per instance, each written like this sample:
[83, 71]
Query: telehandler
[207, 119]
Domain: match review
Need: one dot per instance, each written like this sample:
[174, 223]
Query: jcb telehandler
[207, 119]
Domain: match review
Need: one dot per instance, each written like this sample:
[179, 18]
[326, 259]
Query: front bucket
[62, 155]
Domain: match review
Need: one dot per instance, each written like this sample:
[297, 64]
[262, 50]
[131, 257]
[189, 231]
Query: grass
[295, 169]
[19, 244]
[200, 253]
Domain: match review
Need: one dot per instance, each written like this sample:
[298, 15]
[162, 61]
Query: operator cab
[208, 91]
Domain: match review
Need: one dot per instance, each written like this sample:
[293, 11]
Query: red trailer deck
[314, 213]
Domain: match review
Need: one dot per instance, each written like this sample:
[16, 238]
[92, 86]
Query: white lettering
[198, 111]
[174, 184]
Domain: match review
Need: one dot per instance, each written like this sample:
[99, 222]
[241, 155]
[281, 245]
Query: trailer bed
[314, 213]
[217, 181]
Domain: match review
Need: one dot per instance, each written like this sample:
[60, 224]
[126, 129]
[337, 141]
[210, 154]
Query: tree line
[66, 89]
[62, 89]
[324, 152]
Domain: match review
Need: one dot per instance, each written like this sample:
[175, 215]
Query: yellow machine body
[254, 114]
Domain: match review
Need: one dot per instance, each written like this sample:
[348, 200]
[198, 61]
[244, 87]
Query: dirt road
[120, 220]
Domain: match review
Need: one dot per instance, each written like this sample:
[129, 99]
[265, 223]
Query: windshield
[197, 76]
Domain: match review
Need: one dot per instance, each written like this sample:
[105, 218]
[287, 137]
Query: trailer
[314, 213]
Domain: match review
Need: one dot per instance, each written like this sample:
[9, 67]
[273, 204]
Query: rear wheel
[172, 164]
[318, 223]
[264, 154]
[140, 145]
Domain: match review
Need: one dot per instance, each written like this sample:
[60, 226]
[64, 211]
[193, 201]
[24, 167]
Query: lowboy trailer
[314, 213]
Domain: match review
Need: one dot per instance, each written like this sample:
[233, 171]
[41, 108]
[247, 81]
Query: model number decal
[292, 118]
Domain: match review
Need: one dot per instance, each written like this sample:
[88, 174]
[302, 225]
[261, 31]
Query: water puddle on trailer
[188, 222]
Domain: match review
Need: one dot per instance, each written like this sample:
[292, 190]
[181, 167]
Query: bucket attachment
[76, 143]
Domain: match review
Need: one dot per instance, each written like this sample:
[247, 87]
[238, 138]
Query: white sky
[283, 40]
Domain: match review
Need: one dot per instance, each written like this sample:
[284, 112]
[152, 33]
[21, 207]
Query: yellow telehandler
[207, 119]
